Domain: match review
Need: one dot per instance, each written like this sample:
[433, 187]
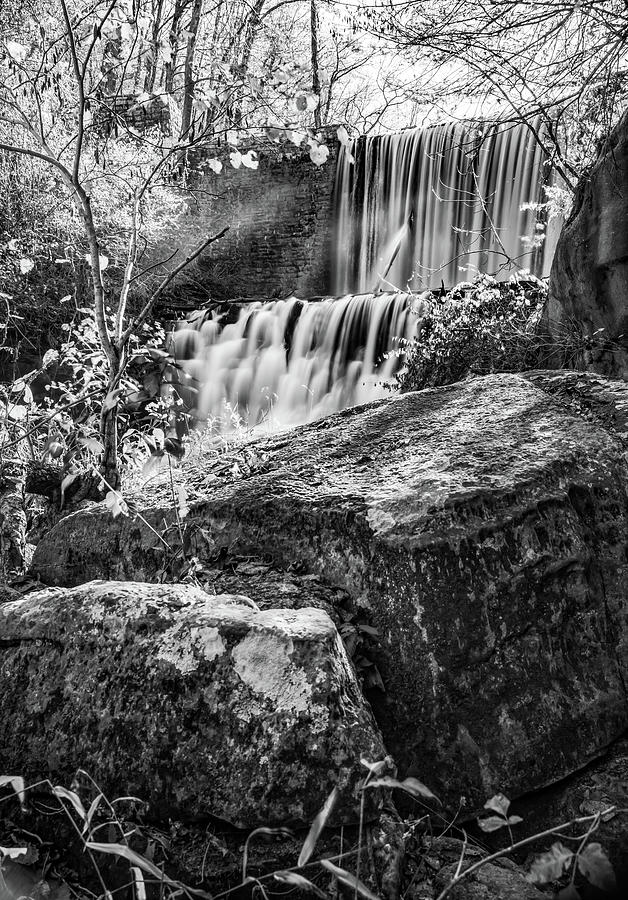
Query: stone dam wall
[281, 220]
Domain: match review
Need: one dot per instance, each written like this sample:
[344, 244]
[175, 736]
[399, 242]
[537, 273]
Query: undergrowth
[129, 859]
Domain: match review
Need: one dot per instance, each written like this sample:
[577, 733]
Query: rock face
[198, 704]
[481, 527]
[589, 276]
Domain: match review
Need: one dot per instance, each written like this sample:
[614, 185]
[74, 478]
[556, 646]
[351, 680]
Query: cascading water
[414, 209]
[290, 361]
[436, 205]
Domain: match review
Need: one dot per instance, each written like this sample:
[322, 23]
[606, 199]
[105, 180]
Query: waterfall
[291, 361]
[413, 210]
[438, 204]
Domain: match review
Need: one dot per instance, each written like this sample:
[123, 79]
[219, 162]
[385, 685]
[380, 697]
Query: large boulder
[480, 527]
[200, 705]
[589, 276]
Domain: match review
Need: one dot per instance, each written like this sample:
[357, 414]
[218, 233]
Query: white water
[438, 204]
[291, 361]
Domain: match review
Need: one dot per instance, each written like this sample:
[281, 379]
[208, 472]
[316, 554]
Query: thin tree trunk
[173, 37]
[12, 520]
[109, 464]
[316, 80]
[250, 33]
[188, 85]
[152, 55]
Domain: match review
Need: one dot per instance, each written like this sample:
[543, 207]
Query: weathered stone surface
[589, 276]
[602, 401]
[481, 526]
[197, 704]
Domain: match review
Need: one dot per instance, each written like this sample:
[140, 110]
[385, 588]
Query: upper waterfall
[439, 204]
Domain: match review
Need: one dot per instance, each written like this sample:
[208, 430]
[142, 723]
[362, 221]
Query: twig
[143, 315]
[593, 820]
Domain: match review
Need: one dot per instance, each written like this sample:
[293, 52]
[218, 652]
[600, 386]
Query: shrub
[479, 327]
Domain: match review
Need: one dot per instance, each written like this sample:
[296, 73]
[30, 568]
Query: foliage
[102, 830]
[485, 327]
[62, 422]
[61, 77]
[481, 327]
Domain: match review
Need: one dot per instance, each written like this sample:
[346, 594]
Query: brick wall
[281, 225]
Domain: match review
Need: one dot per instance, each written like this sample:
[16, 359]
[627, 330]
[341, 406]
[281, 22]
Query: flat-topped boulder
[199, 705]
[481, 528]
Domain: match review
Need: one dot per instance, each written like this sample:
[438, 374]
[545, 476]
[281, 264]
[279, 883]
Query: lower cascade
[292, 361]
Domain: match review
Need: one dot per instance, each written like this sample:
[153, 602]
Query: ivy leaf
[499, 804]
[13, 852]
[551, 865]
[250, 160]
[16, 51]
[16, 412]
[375, 768]
[492, 823]
[31, 856]
[215, 165]
[152, 464]
[275, 134]
[596, 867]
[116, 503]
[26, 265]
[319, 154]
[235, 159]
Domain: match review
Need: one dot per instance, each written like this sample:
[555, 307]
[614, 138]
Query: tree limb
[143, 315]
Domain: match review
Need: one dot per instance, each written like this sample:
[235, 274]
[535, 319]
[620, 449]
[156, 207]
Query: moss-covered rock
[483, 529]
[198, 704]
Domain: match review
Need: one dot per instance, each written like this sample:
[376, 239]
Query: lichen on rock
[197, 704]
